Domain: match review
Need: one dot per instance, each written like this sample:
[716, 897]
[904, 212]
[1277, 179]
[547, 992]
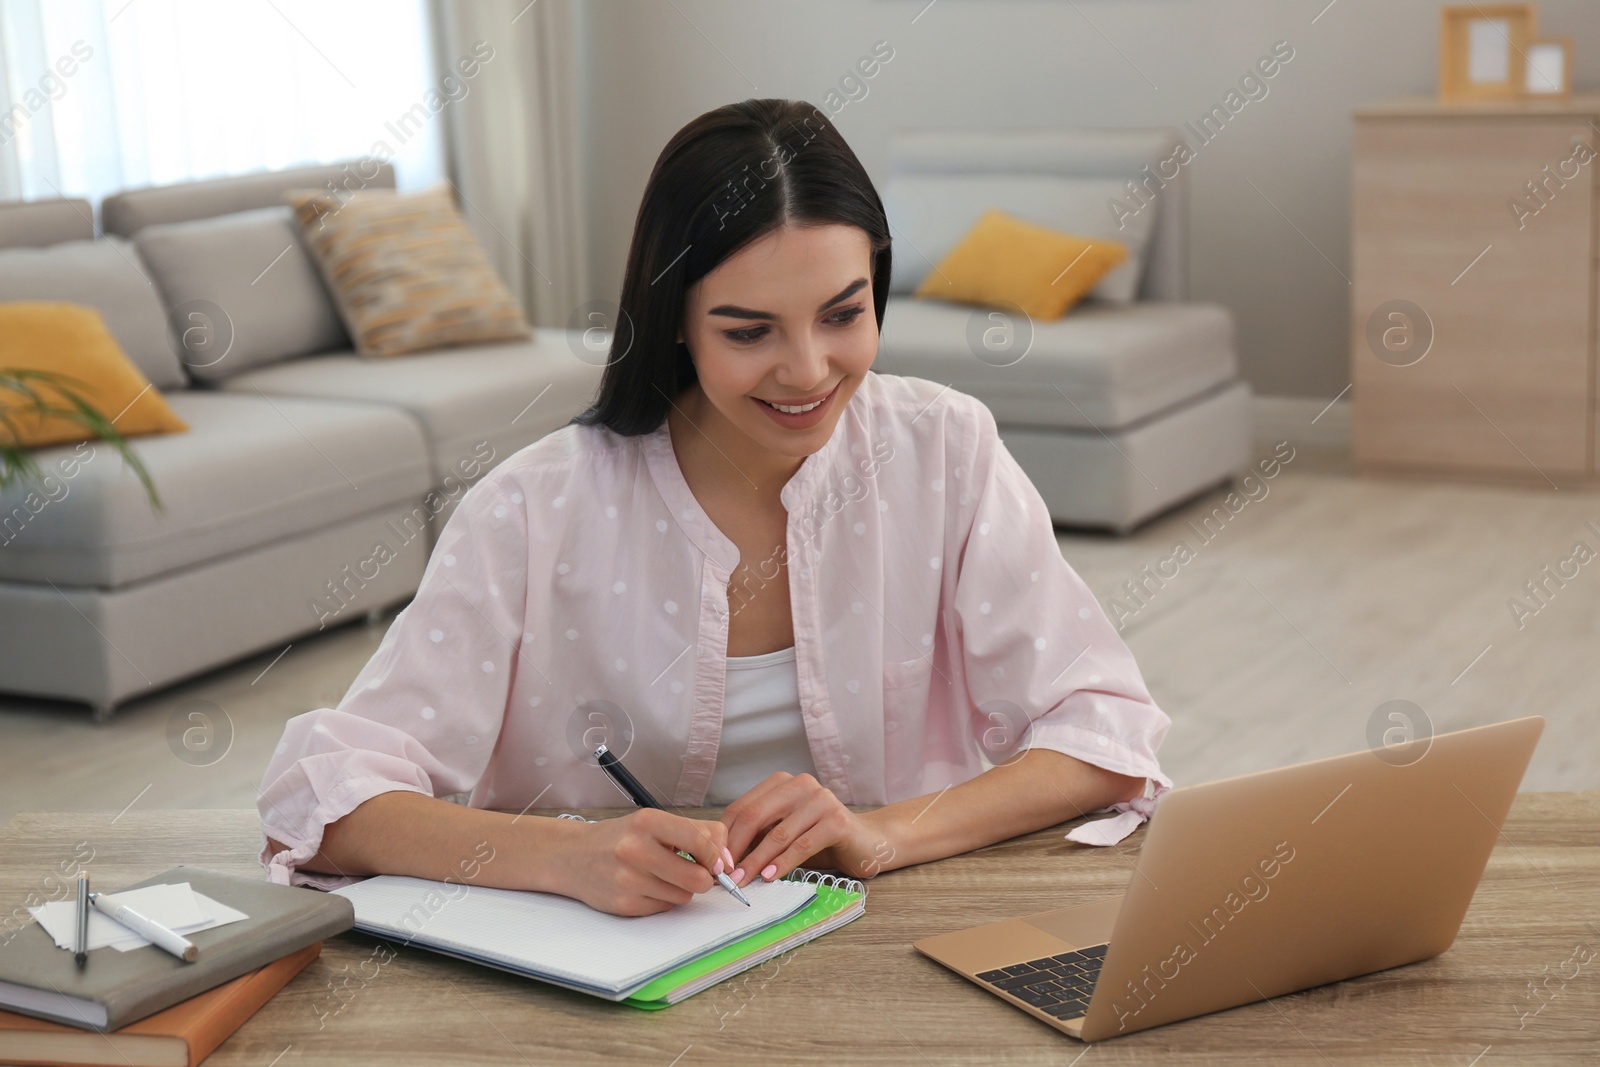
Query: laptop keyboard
[1057, 985]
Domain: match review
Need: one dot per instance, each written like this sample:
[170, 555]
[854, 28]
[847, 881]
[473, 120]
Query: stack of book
[145, 1006]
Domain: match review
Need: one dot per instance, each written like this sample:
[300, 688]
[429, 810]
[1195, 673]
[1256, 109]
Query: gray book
[117, 988]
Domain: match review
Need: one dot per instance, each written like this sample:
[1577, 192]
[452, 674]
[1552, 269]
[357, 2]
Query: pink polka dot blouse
[579, 595]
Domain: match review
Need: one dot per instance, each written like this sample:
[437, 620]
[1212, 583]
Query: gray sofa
[311, 484]
[1131, 402]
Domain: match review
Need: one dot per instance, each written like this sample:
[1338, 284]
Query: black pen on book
[636, 792]
[80, 955]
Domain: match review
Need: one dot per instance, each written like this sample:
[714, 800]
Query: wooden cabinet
[1474, 287]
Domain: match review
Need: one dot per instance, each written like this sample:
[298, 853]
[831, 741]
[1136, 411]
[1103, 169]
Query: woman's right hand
[630, 865]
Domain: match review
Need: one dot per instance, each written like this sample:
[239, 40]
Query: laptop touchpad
[1089, 924]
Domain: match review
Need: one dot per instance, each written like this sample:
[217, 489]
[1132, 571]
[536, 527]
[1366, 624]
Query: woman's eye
[753, 334]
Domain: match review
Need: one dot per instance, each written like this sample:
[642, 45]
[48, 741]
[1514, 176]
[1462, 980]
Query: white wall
[655, 65]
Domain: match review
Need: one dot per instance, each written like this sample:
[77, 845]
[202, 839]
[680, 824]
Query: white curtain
[101, 95]
[515, 148]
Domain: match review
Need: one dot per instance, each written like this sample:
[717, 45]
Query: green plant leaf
[17, 463]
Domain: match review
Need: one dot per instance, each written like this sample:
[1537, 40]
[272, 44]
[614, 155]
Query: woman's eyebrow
[734, 311]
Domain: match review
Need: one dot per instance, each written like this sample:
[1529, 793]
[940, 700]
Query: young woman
[768, 578]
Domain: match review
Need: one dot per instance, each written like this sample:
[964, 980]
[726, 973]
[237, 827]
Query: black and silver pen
[81, 954]
[635, 791]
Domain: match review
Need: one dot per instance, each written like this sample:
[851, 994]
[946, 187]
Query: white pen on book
[148, 929]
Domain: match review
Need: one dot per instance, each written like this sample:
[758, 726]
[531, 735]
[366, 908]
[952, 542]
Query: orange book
[179, 1036]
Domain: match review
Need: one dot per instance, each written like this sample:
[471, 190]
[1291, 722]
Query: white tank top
[762, 728]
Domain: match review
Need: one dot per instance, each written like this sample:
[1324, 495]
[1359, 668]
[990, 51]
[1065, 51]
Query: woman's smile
[801, 417]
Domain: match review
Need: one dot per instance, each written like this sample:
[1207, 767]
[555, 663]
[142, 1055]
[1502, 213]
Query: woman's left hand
[788, 819]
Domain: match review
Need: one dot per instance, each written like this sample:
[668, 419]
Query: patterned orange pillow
[406, 273]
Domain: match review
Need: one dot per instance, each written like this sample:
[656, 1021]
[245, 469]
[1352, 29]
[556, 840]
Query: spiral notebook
[839, 900]
[565, 942]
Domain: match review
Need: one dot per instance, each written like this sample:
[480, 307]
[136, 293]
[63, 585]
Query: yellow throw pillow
[71, 339]
[1006, 262]
[405, 272]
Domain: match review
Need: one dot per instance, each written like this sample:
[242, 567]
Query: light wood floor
[1277, 642]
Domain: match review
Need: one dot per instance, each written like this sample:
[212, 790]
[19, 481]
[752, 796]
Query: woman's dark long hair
[728, 178]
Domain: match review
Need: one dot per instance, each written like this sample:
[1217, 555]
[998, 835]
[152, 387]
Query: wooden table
[862, 994]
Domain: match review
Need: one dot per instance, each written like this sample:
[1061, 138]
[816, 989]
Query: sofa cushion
[251, 470]
[1103, 367]
[929, 214]
[108, 276]
[1007, 263]
[128, 212]
[406, 272]
[40, 223]
[71, 340]
[468, 399]
[245, 279]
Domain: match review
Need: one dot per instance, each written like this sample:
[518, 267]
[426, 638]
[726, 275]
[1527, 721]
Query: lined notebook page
[550, 936]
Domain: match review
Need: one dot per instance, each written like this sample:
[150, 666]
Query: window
[98, 97]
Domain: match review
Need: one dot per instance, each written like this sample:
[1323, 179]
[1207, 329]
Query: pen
[80, 955]
[148, 929]
[636, 792]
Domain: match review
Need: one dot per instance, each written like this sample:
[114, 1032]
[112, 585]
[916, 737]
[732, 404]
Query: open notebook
[565, 942]
[838, 901]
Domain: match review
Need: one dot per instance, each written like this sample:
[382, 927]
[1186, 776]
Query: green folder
[829, 902]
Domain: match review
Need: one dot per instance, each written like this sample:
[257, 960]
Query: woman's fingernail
[717, 867]
[727, 856]
[769, 870]
[738, 876]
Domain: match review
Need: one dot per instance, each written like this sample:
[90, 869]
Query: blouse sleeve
[1045, 667]
[424, 713]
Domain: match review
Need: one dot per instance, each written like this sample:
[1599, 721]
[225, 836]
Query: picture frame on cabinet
[1483, 51]
[1549, 68]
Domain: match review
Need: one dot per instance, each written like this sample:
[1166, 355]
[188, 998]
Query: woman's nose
[807, 365]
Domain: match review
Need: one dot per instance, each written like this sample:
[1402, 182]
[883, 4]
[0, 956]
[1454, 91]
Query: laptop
[1265, 884]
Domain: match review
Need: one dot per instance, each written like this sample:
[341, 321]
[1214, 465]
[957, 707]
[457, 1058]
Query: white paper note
[177, 907]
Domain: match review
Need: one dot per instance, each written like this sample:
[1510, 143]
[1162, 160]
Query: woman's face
[787, 319]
